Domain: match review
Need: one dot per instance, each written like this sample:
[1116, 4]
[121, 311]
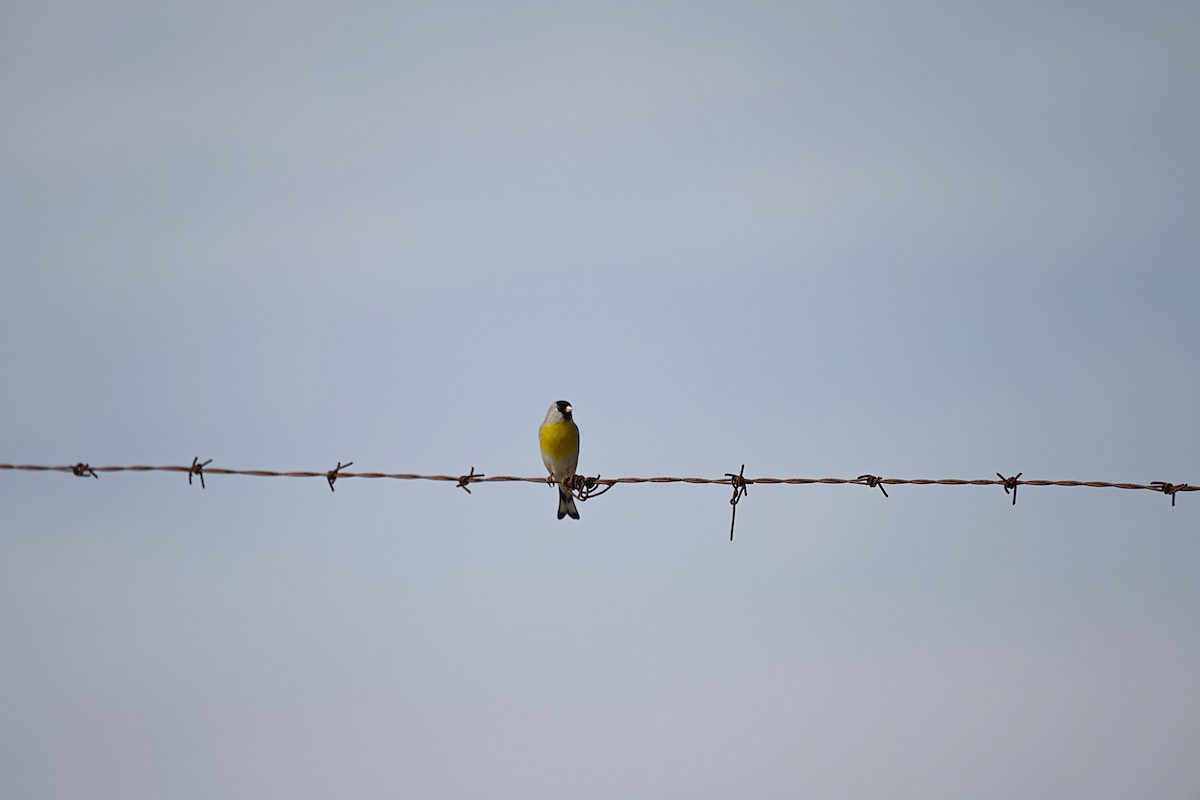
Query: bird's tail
[566, 504]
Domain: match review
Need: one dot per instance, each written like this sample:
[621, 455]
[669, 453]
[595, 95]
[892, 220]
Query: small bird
[559, 438]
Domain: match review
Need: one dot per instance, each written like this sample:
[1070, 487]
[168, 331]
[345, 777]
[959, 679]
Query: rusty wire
[583, 487]
[201, 468]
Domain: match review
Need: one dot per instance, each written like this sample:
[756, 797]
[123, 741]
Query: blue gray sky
[821, 239]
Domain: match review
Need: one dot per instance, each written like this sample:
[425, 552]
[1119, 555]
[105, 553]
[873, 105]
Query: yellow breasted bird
[559, 438]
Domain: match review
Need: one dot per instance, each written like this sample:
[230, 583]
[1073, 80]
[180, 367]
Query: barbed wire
[583, 487]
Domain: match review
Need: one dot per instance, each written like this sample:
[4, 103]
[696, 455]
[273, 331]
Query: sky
[925, 240]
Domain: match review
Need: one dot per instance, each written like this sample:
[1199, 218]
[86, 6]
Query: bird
[559, 440]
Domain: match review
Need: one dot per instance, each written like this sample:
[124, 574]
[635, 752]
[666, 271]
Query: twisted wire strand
[865, 480]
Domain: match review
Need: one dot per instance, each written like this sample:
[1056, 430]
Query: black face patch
[564, 409]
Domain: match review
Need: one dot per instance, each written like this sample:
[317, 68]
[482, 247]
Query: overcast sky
[923, 240]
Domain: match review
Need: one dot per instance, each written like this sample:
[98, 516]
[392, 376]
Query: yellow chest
[559, 439]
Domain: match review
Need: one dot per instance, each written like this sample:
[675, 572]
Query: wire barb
[198, 469]
[582, 487]
[1010, 483]
[463, 480]
[332, 475]
[740, 490]
[873, 481]
[1171, 489]
[82, 470]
